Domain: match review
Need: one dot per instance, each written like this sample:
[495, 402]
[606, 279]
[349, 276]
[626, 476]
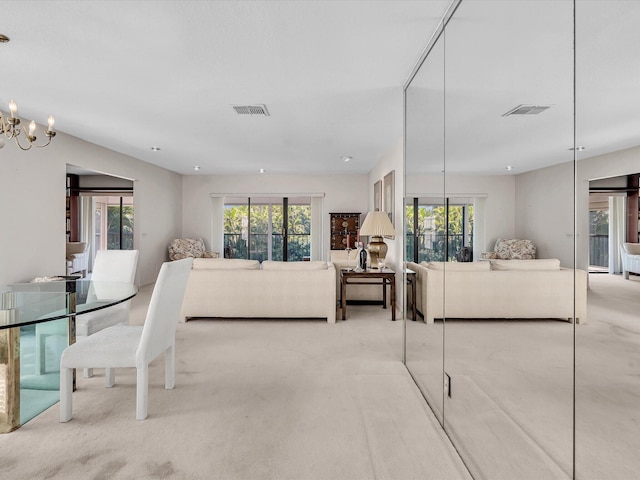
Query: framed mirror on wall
[607, 431]
[509, 315]
[528, 361]
[425, 234]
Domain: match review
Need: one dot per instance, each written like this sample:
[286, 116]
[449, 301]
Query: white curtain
[617, 232]
[87, 230]
[217, 225]
[316, 227]
[479, 230]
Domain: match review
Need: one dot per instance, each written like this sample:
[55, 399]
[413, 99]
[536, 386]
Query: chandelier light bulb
[10, 127]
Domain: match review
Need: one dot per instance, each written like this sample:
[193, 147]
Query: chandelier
[10, 127]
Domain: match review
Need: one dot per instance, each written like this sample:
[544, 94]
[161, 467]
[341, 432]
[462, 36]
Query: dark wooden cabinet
[344, 226]
[73, 205]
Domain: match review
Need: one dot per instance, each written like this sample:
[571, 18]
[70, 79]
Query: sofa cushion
[536, 264]
[458, 266]
[225, 264]
[75, 248]
[315, 265]
[632, 248]
[515, 249]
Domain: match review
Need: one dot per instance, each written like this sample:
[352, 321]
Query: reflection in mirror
[509, 315]
[507, 307]
[425, 235]
[607, 430]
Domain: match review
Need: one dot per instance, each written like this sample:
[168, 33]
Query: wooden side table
[386, 276]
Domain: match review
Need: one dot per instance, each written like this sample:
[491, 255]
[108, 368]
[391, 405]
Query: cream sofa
[233, 288]
[355, 292]
[500, 289]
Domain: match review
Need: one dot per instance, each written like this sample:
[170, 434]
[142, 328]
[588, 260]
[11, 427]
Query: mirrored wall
[515, 111]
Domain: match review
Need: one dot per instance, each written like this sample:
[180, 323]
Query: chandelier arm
[44, 144]
[6, 128]
[20, 145]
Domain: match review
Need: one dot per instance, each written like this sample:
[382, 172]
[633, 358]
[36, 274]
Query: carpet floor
[254, 399]
[511, 410]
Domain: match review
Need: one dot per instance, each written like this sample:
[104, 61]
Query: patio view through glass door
[598, 234]
[428, 239]
[273, 228]
[113, 223]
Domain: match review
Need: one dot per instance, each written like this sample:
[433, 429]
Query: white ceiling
[497, 55]
[129, 75]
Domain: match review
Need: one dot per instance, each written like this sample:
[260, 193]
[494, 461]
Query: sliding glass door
[429, 239]
[267, 228]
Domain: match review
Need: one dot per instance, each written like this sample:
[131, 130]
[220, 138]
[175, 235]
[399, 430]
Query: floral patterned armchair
[189, 247]
[511, 249]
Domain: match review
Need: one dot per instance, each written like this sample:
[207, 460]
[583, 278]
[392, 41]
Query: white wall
[32, 195]
[538, 205]
[545, 204]
[392, 160]
[343, 193]
[545, 211]
[499, 191]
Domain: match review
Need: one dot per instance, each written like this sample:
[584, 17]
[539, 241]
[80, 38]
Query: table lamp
[377, 225]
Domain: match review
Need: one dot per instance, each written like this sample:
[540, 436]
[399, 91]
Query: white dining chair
[132, 346]
[108, 266]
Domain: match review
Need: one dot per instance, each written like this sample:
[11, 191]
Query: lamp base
[377, 251]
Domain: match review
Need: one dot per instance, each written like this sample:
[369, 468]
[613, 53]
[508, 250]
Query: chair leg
[142, 390]
[109, 377]
[66, 390]
[88, 372]
[170, 368]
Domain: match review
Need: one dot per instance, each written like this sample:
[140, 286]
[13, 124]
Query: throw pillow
[459, 266]
[315, 265]
[225, 264]
[536, 264]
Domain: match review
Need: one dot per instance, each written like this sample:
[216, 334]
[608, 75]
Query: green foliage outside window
[113, 227]
[431, 232]
[236, 232]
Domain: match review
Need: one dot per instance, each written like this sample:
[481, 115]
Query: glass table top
[31, 303]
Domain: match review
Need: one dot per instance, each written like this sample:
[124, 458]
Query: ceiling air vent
[526, 110]
[251, 110]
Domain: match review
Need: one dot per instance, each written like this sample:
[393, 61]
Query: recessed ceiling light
[509, 167]
[155, 149]
[346, 158]
[262, 170]
[196, 168]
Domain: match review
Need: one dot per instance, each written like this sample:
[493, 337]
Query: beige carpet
[511, 409]
[266, 399]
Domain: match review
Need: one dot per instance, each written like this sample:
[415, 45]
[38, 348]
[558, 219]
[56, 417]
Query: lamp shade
[377, 224]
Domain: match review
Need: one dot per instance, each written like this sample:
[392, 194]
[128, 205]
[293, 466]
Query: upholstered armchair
[189, 247]
[511, 249]
[630, 254]
[77, 258]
